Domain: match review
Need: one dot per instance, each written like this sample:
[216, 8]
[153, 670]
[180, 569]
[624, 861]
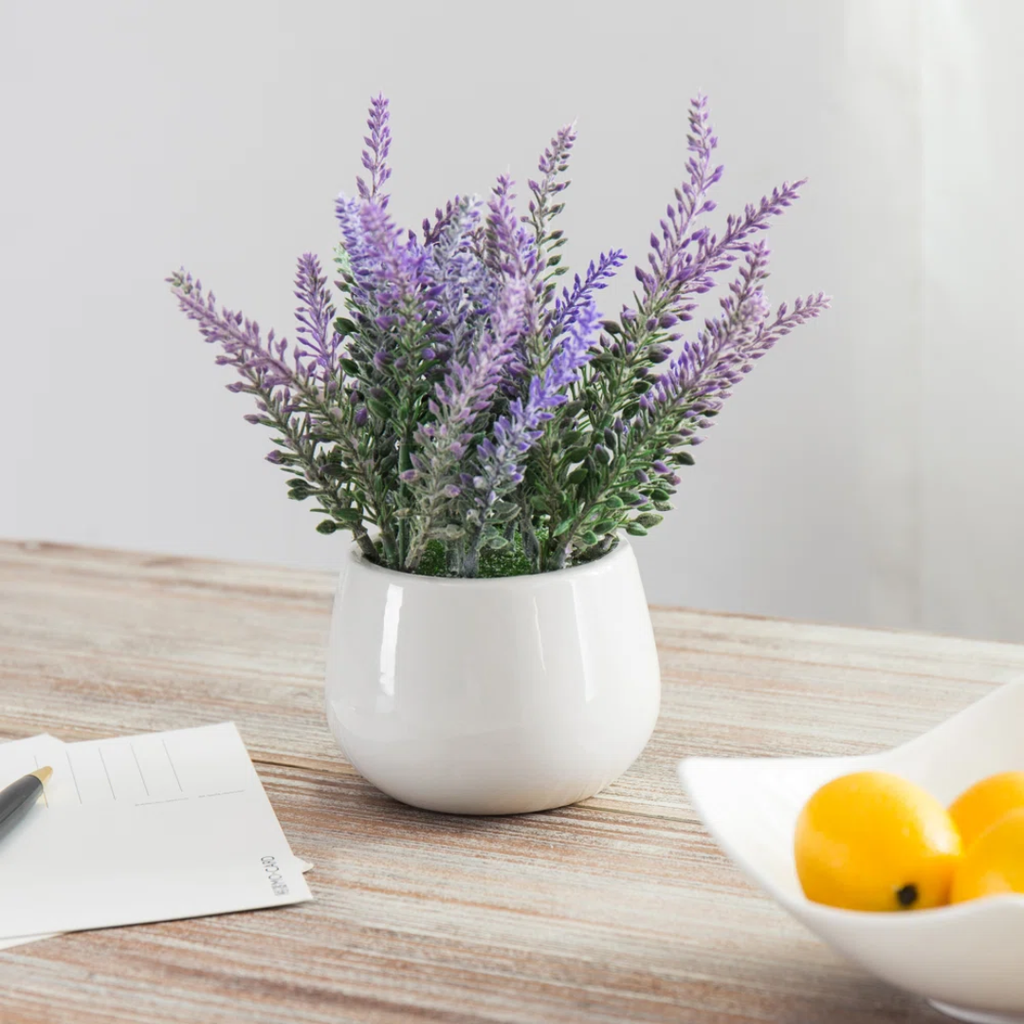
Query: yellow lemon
[985, 803]
[994, 863]
[873, 841]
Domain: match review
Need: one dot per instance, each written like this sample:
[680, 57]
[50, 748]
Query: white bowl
[968, 959]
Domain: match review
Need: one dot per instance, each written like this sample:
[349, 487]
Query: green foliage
[480, 418]
[511, 561]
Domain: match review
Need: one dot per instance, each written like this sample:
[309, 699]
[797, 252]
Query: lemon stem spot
[907, 896]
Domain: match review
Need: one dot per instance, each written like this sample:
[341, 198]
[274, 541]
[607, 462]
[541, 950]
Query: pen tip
[42, 774]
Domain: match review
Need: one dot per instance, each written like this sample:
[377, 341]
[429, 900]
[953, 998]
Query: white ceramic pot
[492, 696]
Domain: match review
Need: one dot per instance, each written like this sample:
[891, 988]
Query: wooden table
[617, 909]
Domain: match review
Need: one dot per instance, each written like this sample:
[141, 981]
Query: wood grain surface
[617, 909]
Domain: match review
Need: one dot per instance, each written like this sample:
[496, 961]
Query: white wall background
[871, 471]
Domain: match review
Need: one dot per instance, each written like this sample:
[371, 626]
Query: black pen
[19, 796]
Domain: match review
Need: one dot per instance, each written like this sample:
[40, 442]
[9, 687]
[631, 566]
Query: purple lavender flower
[442, 218]
[459, 403]
[502, 458]
[315, 316]
[543, 208]
[243, 345]
[574, 348]
[598, 275]
[685, 258]
[396, 268]
[468, 291]
[395, 301]
[702, 376]
[289, 398]
[467, 389]
[554, 161]
[461, 399]
[375, 156]
[510, 252]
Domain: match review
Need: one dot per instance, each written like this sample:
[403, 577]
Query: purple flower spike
[701, 377]
[568, 306]
[315, 316]
[459, 401]
[375, 156]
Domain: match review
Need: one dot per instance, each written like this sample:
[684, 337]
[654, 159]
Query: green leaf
[683, 459]
[605, 526]
[630, 409]
[648, 519]
[630, 497]
[660, 494]
[334, 470]
[350, 366]
[576, 454]
[589, 538]
[578, 475]
[343, 325]
[378, 408]
[613, 501]
[349, 516]
[327, 526]
[571, 438]
[634, 529]
[561, 528]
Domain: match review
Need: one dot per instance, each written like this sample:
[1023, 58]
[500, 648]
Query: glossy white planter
[495, 696]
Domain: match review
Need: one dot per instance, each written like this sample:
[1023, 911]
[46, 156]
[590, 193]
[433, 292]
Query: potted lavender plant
[486, 438]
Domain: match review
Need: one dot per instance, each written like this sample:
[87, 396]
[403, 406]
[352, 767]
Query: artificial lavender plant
[465, 415]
